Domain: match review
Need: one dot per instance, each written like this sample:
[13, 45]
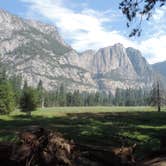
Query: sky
[93, 24]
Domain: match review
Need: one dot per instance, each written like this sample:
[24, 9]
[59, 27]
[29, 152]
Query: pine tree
[119, 97]
[16, 82]
[40, 90]
[97, 98]
[28, 101]
[62, 96]
[77, 98]
[3, 76]
[91, 99]
[7, 102]
[25, 85]
[69, 99]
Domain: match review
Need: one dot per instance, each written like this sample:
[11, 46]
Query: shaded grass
[113, 126]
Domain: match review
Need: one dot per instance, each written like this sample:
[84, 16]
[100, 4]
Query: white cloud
[159, 14]
[85, 28]
[155, 46]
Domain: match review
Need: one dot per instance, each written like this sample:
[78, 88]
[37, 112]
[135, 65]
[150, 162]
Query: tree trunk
[158, 98]
[29, 113]
[42, 104]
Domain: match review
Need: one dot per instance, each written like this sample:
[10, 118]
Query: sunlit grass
[111, 126]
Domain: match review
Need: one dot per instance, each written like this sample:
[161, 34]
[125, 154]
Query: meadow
[102, 126]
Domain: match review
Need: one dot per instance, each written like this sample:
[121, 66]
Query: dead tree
[156, 96]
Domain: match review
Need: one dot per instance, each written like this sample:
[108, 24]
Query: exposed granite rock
[37, 52]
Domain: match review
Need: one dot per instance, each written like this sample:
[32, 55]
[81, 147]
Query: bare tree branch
[134, 9]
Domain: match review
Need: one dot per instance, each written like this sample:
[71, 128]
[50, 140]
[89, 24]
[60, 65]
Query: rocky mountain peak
[112, 58]
[46, 29]
[4, 15]
[10, 22]
[118, 45]
[36, 51]
[89, 52]
[14, 23]
[118, 67]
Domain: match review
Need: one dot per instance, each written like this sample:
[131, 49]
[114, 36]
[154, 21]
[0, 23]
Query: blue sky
[92, 24]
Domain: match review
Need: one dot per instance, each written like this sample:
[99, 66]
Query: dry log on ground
[154, 158]
[108, 155]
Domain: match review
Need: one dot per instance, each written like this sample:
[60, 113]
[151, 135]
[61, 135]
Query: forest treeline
[128, 97]
[16, 94]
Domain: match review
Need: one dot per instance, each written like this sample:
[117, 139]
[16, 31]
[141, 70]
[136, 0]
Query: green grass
[113, 126]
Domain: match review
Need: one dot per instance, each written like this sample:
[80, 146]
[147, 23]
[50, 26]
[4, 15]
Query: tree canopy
[141, 9]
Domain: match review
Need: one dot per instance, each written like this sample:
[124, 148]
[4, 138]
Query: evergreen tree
[110, 98]
[119, 97]
[40, 90]
[77, 101]
[7, 102]
[69, 99]
[97, 98]
[105, 99]
[28, 101]
[91, 99]
[16, 82]
[25, 86]
[62, 96]
[3, 76]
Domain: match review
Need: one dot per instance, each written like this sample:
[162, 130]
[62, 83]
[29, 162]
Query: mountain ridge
[36, 51]
[38, 55]
[160, 67]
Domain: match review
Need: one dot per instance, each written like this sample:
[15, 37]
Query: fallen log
[109, 155]
[37, 146]
[154, 158]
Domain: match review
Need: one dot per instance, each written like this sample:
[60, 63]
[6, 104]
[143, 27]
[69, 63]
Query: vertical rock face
[37, 52]
[141, 67]
[113, 59]
[83, 60]
[118, 67]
